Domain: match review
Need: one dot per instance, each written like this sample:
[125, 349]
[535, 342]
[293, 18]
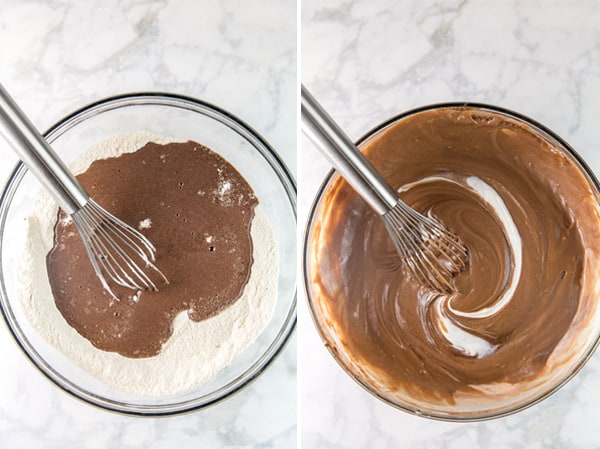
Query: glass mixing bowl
[182, 118]
[325, 277]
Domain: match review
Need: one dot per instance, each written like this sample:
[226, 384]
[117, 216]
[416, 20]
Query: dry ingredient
[196, 351]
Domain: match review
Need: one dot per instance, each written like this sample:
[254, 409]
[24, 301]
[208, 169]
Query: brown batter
[195, 208]
[514, 304]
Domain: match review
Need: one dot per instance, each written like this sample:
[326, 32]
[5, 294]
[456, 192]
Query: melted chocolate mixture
[195, 208]
[526, 213]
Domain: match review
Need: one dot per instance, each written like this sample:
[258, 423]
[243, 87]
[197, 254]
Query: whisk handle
[37, 155]
[320, 128]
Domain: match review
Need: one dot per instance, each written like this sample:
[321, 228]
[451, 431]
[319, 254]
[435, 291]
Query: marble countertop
[59, 55]
[369, 60]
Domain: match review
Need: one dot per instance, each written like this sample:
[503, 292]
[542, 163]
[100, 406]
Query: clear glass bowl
[336, 344]
[183, 118]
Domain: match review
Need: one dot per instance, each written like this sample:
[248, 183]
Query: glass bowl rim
[288, 183]
[305, 251]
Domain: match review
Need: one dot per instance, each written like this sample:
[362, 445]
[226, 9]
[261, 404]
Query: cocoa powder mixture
[529, 217]
[195, 208]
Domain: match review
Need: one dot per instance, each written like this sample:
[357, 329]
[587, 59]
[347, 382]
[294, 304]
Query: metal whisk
[119, 253]
[432, 253]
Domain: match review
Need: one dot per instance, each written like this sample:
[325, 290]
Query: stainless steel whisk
[119, 253]
[432, 253]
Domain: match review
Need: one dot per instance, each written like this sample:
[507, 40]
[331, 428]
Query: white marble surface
[368, 60]
[58, 55]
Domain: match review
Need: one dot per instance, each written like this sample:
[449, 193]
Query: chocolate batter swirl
[195, 208]
[529, 217]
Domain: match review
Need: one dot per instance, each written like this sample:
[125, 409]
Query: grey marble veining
[57, 56]
[370, 60]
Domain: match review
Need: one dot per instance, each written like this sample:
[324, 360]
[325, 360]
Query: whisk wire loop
[432, 253]
[115, 259]
[114, 230]
[118, 252]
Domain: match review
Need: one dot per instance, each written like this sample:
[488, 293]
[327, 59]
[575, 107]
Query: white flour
[196, 352]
